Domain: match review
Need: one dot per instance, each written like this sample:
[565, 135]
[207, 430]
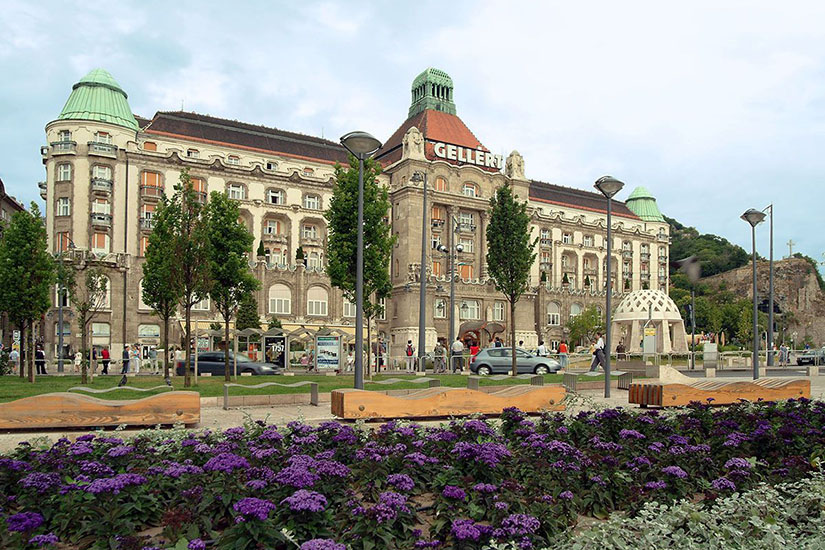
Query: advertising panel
[275, 351]
[327, 352]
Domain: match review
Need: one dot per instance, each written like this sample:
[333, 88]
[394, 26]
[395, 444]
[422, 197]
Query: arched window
[314, 260]
[440, 307]
[233, 160]
[553, 314]
[317, 298]
[280, 299]
[440, 184]
[575, 310]
[469, 190]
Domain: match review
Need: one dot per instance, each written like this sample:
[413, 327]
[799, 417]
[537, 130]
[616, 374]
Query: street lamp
[452, 256]
[754, 218]
[61, 293]
[419, 177]
[608, 186]
[361, 145]
[769, 343]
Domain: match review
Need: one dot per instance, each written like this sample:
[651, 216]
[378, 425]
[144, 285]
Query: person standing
[541, 351]
[563, 354]
[498, 343]
[14, 359]
[473, 350]
[439, 358]
[125, 356]
[135, 358]
[105, 358]
[40, 360]
[153, 360]
[457, 355]
[409, 351]
[598, 354]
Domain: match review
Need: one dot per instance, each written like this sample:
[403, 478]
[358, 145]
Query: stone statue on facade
[514, 169]
[413, 144]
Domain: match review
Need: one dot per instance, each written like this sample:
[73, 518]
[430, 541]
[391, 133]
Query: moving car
[811, 357]
[499, 361]
[212, 362]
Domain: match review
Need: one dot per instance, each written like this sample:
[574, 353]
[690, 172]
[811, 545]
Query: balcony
[663, 238]
[627, 253]
[662, 259]
[547, 243]
[466, 227]
[151, 191]
[102, 149]
[275, 238]
[545, 266]
[644, 256]
[146, 224]
[590, 270]
[101, 220]
[311, 241]
[437, 223]
[64, 147]
[644, 276]
[100, 185]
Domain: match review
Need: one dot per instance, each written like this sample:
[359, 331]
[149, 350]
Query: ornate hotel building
[106, 169]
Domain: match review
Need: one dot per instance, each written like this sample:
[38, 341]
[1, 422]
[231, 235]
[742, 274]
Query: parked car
[499, 361]
[212, 362]
[811, 357]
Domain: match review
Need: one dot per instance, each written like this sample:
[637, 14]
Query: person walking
[563, 354]
[439, 358]
[40, 360]
[409, 351]
[153, 360]
[457, 349]
[541, 351]
[105, 358]
[126, 356]
[14, 359]
[598, 354]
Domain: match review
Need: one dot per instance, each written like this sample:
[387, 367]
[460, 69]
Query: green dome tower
[643, 204]
[98, 97]
[432, 89]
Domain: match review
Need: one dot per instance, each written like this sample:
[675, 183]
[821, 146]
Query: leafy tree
[583, 327]
[343, 231]
[87, 299]
[814, 267]
[191, 247]
[161, 286]
[716, 253]
[229, 244]
[27, 276]
[510, 253]
[248, 313]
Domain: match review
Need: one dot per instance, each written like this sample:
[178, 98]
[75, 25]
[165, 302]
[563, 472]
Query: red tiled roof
[208, 129]
[578, 198]
[435, 126]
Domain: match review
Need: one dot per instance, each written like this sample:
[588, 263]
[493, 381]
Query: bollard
[710, 372]
[313, 394]
[225, 397]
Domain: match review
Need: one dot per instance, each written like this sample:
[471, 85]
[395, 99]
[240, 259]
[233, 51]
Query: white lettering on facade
[477, 157]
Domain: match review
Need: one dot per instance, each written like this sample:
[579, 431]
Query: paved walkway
[216, 418]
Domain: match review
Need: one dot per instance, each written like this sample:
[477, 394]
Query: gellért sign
[478, 157]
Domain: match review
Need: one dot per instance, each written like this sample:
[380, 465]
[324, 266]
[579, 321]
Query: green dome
[432, 89]
[98, 97]
[642, 203]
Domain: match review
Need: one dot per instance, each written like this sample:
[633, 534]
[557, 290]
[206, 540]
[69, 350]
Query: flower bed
[400, 486]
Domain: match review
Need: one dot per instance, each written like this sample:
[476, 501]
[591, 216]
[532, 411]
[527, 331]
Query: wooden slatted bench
[571, 379]
[70, 410]
[441, 402]
[717, 392]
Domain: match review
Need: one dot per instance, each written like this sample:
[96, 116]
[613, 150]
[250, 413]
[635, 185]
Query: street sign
[16, 337]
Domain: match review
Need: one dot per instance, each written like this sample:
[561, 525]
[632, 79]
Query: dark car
[811, 357]
[211, 362]
[499, 361]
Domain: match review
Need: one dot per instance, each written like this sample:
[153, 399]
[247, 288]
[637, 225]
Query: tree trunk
[227, 376]
[369, 349]
[513, 335]
[84, 379]
[23, 355]
[30, 349]
[187, 380]
[166, 347]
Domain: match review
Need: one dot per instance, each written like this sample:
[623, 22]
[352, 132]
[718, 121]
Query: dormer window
[307, 171]
[192, 153]
[312, 202]
[271, 165]
[233, 160]
[150, 146]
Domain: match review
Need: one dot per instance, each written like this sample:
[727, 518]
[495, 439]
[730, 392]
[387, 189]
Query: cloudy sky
[715, 107]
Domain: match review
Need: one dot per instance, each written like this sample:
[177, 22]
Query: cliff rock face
[799, 302]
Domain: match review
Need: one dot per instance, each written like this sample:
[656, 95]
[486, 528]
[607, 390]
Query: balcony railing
[645, 276]
[274, 238]
[590, 270]
[101, 185]
[644, 256]
[466, 227]
[101, 220]
[437, 223]
[146, 224]
[63, 147]
[311, 241]
[546, 242]
[627, 253]
[662, 237]
[662, 259]
[545, 266]
[102, 149]
[151, 191]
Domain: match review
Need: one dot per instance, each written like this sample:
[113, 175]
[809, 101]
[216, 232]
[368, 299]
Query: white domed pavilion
[651, 308]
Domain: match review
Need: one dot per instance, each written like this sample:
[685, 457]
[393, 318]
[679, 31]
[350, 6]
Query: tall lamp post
[361, 145]
[754, 218]
[61, 296]
[451, 254]
[419, 177]
[769, 344]
[608, 186]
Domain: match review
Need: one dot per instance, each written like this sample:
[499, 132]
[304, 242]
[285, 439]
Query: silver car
[499, 361]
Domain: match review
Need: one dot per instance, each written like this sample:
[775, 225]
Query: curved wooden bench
[440, 402]
[71, 410]
[717, 392]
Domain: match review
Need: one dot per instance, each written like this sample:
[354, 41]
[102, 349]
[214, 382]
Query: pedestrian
[153, 360]
[598, 353]
[541, 351]
[125, 369]
[135, 358]
[498, 342]
[473, 350]
[521, 343]
[457, 350]
[40, 360]
[78, 362]
[350, 361]
[439, 358]
[105, 358]
[410, 353]
[14, 359]
[563, 354]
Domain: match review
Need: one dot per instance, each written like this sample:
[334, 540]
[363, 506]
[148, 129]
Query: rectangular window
[64, 206]
[545, 234]
[382, 303]
[313, 260]
[203, 305]
[437, 270]
[101, 329]
[466, 218]
[193, 153]
[150, 146]
[101, 206]
[588, 240]
[553, 318]
[280, 306]
[271, 165]
[275, 196]
[64, 172]
[233, 160]
[102, 172]
[103, 137]
[469, 190]
[317, 307]
[349, 309]
[440, 308]
[100, 243]
[236, 191]
[567, 238]
[498, 311]
[468, 244]
[470, 310]
[64, 135]
[465, 271]
[61, 241]
[310, 232]
[273, 227]
[312, 202]
[144, 244]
